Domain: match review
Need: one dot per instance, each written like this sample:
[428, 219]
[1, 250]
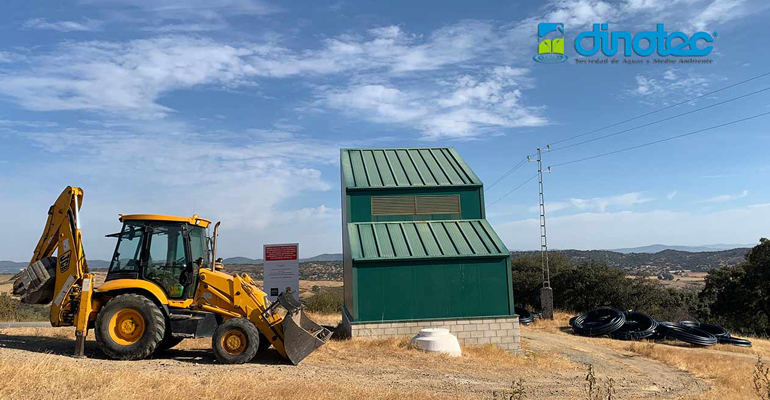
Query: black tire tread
[149, 346]
[252, 336]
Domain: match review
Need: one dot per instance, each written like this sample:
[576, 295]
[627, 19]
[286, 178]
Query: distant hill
[257, 261]
[325, 257]
[242, 261]
[12, 267]
[666, 259]
[98, 264]
[308, 270]
[656, 248]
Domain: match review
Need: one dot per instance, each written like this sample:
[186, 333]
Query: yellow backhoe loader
[162, 286]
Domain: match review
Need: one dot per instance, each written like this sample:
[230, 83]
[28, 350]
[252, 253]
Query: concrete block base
[500, 331]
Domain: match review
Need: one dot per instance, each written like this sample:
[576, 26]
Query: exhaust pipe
[214, 246]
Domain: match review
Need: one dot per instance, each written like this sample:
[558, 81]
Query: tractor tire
[129, 327]
[235, 341]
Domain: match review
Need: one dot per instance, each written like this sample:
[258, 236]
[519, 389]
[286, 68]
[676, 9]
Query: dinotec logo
[660, 42]
[550, 43]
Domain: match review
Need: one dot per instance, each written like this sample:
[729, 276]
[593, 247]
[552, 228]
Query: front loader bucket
[302, 336]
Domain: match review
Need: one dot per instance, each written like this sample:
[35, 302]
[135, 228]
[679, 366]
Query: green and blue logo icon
[550, 43]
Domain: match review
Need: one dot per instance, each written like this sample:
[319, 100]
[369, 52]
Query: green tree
[738, 297]
[527, 276]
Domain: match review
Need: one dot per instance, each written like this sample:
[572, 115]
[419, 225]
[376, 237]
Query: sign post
[281, 269]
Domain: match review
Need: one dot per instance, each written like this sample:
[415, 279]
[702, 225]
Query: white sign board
[281, 269]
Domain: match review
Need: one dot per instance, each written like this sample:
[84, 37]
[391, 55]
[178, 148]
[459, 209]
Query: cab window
[167, 258]
[199, 245]
[128, 249]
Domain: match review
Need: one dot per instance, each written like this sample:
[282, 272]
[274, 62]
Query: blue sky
[236, 110]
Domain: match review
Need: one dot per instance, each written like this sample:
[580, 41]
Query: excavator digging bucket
[35, 284]
[302, 336]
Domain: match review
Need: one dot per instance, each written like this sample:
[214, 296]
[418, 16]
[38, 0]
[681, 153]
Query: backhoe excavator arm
[63, 280]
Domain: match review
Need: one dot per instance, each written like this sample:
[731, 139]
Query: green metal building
[415, 242]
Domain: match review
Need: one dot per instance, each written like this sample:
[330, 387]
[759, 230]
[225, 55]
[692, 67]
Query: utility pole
[546, 293]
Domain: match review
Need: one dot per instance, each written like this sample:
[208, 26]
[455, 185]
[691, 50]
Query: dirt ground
[35, 363]
[554, 366]
[683, 280]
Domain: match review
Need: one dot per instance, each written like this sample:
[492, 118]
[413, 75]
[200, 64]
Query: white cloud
[465, 107]
[190, 9]
[27, 124]
[384, 49]
[670, 86]
[239, 178]
[186, 27]
[599, 204]
[717, 12]
[131, 76]
[88, 25]
[630, 229]
[671, 195]
[725, 197]
[124, 77]
[578, 13]
[623, 201]
[9, 57]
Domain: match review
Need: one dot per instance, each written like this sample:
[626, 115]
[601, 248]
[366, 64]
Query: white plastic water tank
[437, 340]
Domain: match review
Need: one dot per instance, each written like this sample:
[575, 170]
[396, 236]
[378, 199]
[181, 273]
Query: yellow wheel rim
[233, 342]
[126, 327]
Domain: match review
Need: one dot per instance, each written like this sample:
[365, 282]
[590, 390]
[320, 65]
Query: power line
[662, 109]
[663, 140]
[505, 175]
[514, 189]
[662, 120]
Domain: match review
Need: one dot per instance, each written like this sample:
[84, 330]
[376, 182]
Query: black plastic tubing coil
[599, 322]
[722, 335]
[638, 326]
[525, 317]
[686, 334]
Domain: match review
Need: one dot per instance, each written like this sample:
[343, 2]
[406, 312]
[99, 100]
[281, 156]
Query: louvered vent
[414, 205]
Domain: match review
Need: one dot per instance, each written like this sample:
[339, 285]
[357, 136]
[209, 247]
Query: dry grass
[727, 369]
[43, 376]
[351, 369]
[729, 374]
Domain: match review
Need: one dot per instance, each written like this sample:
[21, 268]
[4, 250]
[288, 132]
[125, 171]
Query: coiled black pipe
[686, 334]
[722, 335]
[715, 330]
[735, 341]
[638, 326]
[599, 322]
[525, 317]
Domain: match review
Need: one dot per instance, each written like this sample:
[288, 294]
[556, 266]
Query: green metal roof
[405, 167]
[424, 240]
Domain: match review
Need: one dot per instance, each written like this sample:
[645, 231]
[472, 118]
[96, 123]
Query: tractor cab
[165, 250]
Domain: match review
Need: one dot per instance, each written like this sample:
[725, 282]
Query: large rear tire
[235, 341]
[129, 327]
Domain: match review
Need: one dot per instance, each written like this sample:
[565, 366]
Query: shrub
[329, 301]
[593, 284]
[11, 309]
